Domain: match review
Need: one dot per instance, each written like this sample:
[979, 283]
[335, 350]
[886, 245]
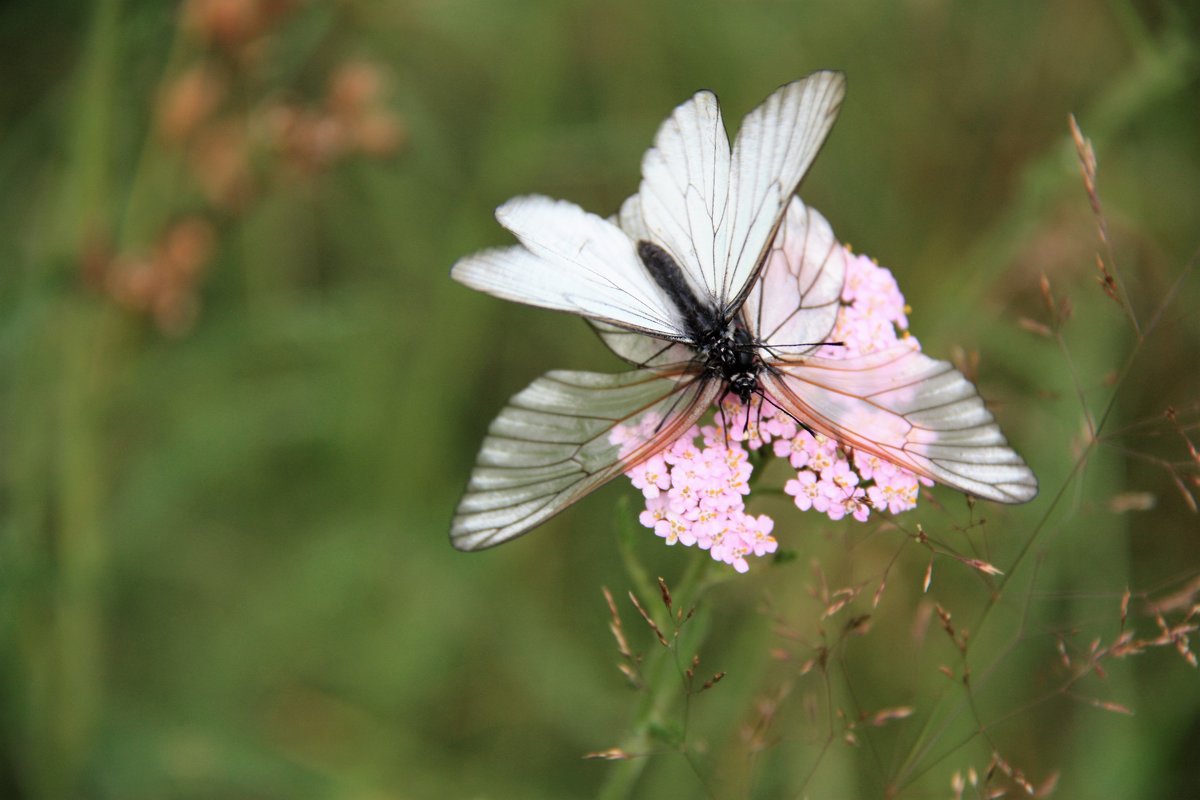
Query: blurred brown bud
[353, 87]
[276, 121]
[316, 141]
[163, 285]
[225, 22]
[307, 140]
[175, 309]
[271, 11]
[379, 134]
[322, 139]
[132, 282]
[231, 24]
[189, 101]
[186, 248]
[355, 91]
[220, 161]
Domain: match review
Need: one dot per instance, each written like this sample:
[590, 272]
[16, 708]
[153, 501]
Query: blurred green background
[240, 396]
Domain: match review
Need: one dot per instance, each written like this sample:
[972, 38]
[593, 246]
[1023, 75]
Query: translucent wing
[570, 260]
[563, 436]
[685, 192]
[909, 409]
[716, 212]
[631, 220]
[774, 149]
[805, 261]
[642, 351]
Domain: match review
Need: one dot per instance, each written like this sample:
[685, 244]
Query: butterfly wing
[909, 409]
[807, 261]
[666, 357]
[774, 149]
[642, 351]
[897, 403]
[716, 212]
[570, 260]
[563, 436]
[684, 192]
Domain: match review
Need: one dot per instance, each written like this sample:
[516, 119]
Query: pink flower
[854, 505]
[673, 528]
[841, 475]
[795, 449]
[705, 522]
[656, 511]
[867, 464]
[779, 426]
[684, 450]
[759, 535]
[895, 490]
[651, 476]
[684, 493]
[804, 488]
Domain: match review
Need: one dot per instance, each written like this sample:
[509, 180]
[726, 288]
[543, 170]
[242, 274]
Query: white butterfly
[693, 284]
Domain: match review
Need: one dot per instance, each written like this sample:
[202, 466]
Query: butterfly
[713, 280]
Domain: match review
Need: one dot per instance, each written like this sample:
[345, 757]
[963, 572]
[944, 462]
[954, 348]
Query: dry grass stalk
[879, 592]
[1182, 598]
[886, 715]
[982, 566]
[629, 663]
[649, 621]
[1108, 278]
[611, 754]
[1035, 327]
[1125, 502]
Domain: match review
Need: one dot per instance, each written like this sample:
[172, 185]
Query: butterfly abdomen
[697, 317]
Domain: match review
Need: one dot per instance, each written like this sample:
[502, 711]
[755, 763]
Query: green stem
[664, 690]
[156, 171]
[62, 626]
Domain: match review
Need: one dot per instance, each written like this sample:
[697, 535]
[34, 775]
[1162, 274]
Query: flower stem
[664, 688]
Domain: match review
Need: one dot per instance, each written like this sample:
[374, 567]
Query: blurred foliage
[240, 396]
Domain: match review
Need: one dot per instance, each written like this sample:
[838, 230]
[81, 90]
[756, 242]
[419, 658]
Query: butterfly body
[724, 348]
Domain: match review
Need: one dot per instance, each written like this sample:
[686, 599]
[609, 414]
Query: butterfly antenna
[770, 348]
[764, 399]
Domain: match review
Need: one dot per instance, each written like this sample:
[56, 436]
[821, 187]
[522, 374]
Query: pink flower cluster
[695, 492]
[873, 312]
